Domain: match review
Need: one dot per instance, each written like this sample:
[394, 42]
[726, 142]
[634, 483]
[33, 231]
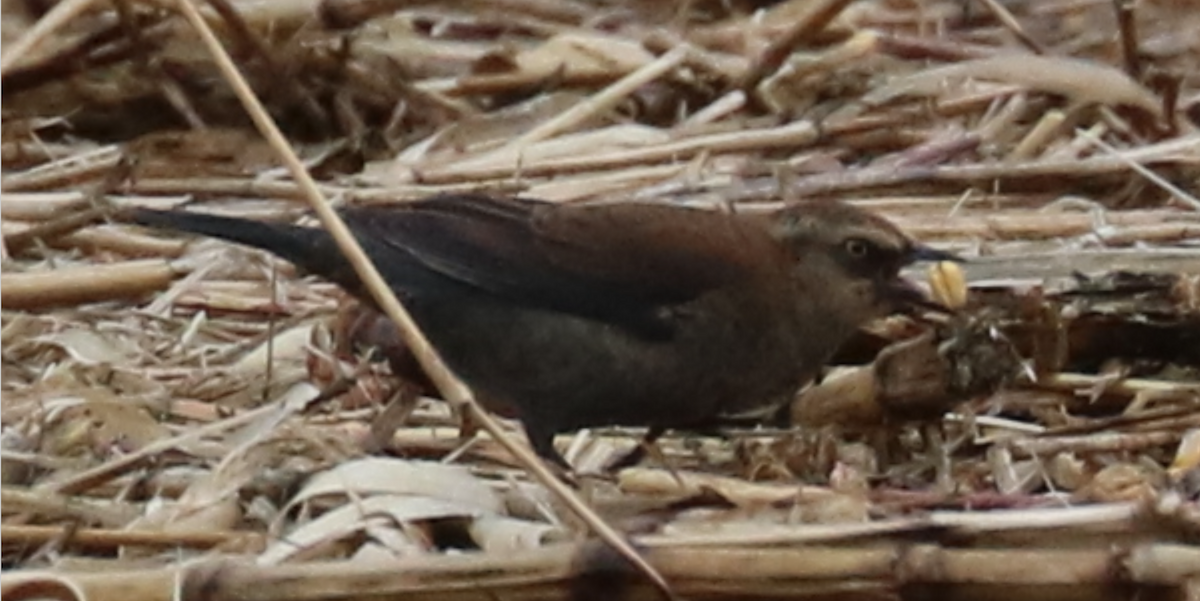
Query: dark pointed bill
[921, 252]
[906, 294]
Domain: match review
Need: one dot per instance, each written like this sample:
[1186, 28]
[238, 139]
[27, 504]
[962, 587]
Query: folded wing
[623, 263]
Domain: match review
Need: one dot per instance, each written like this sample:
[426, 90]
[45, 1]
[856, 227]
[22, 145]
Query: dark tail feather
[310, 249]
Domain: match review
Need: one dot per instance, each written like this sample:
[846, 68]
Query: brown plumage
[628, 314]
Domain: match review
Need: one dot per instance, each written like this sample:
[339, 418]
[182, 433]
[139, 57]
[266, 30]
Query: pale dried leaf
[1082, 81]
[92, 347]
[97, 424]
[580, 54]
[289, 345]
[500, 534]
[365, 514]
[386, 475]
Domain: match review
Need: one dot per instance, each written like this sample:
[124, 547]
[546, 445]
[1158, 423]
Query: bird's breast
[729, 352]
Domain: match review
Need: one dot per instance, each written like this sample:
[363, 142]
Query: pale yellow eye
[857, 248]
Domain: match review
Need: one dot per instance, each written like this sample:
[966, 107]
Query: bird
[638, 314]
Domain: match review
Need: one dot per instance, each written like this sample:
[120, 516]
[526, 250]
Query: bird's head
[850, 260]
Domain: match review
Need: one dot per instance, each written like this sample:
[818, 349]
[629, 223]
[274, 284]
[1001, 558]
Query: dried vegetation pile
[188, 415]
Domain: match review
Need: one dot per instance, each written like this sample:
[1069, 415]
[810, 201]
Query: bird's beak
[920, 252]
[906, 294]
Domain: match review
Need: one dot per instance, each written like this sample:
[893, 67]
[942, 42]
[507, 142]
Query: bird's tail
[311, 249]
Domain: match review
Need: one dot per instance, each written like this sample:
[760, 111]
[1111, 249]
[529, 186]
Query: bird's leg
[542, 441]
[638, 453]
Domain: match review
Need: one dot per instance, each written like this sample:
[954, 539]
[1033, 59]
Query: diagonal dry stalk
[450, 387]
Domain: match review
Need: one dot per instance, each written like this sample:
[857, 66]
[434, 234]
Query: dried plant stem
[1127, 386]
[451, 388]
[81, 285]
[1011, 23]
[1036, 266]
[40, 206]
[50, 22]
[121, 242]
[1036, 139]
[65, 172]
[1127, 25]
[788, 136]
[1037, 226]
[16, 500]
[752, 572]
[603, 101]
[97, 538]
[1175, 191]
[814, 20]
[1094, 443]
[62, 226]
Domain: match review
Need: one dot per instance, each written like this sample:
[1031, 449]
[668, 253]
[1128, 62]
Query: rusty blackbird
[636, 314]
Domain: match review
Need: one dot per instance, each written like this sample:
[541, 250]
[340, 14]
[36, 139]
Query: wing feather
[619, 262]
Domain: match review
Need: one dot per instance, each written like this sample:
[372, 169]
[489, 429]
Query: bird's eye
[857, 248]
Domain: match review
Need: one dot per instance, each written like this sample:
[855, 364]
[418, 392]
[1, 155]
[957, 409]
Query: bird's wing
[617, 262]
